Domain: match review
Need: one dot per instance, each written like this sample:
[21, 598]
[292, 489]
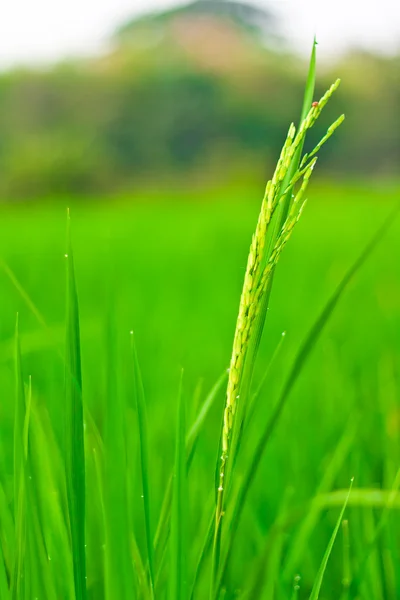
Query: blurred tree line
[182, 92]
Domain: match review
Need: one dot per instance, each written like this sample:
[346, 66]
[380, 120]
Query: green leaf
[119, 575]
[178, 577]
[321, 572]
[18, 583]
[74, 429]
[144, 458]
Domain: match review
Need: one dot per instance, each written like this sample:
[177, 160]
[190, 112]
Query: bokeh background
[158, 125]
[196, 93]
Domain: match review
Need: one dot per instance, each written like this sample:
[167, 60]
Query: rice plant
[85, 516]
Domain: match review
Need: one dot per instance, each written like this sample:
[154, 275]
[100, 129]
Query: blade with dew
[178, 578]
[144, 458]
[296, 370]
[321, 572]
[119, 575]
[74, 428]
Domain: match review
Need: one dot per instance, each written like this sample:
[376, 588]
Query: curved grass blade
[144, 458]
[74, 429]
[23, 293]
[298, 365]
[178, 578]
[321, 572]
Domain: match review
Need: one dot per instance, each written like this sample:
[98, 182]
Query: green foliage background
[170, 108]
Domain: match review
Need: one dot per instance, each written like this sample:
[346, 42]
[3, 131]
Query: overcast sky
[33, 31]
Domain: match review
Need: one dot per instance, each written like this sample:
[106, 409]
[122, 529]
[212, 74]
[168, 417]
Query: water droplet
[283, 333]
[142, 496]
[66, 255]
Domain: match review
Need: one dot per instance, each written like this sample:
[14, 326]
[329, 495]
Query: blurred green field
[170, 267]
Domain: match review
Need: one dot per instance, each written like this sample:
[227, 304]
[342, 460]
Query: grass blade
[178, 543]
[18, 580]
[74, 429]
[119, 576]
[144, 458]
[321, 572]
[346, 578]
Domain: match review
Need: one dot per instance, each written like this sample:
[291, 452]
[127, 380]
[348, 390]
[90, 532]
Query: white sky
[33, 31]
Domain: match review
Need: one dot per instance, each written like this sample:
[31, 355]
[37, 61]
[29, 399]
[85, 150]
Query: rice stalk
[259, 271]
